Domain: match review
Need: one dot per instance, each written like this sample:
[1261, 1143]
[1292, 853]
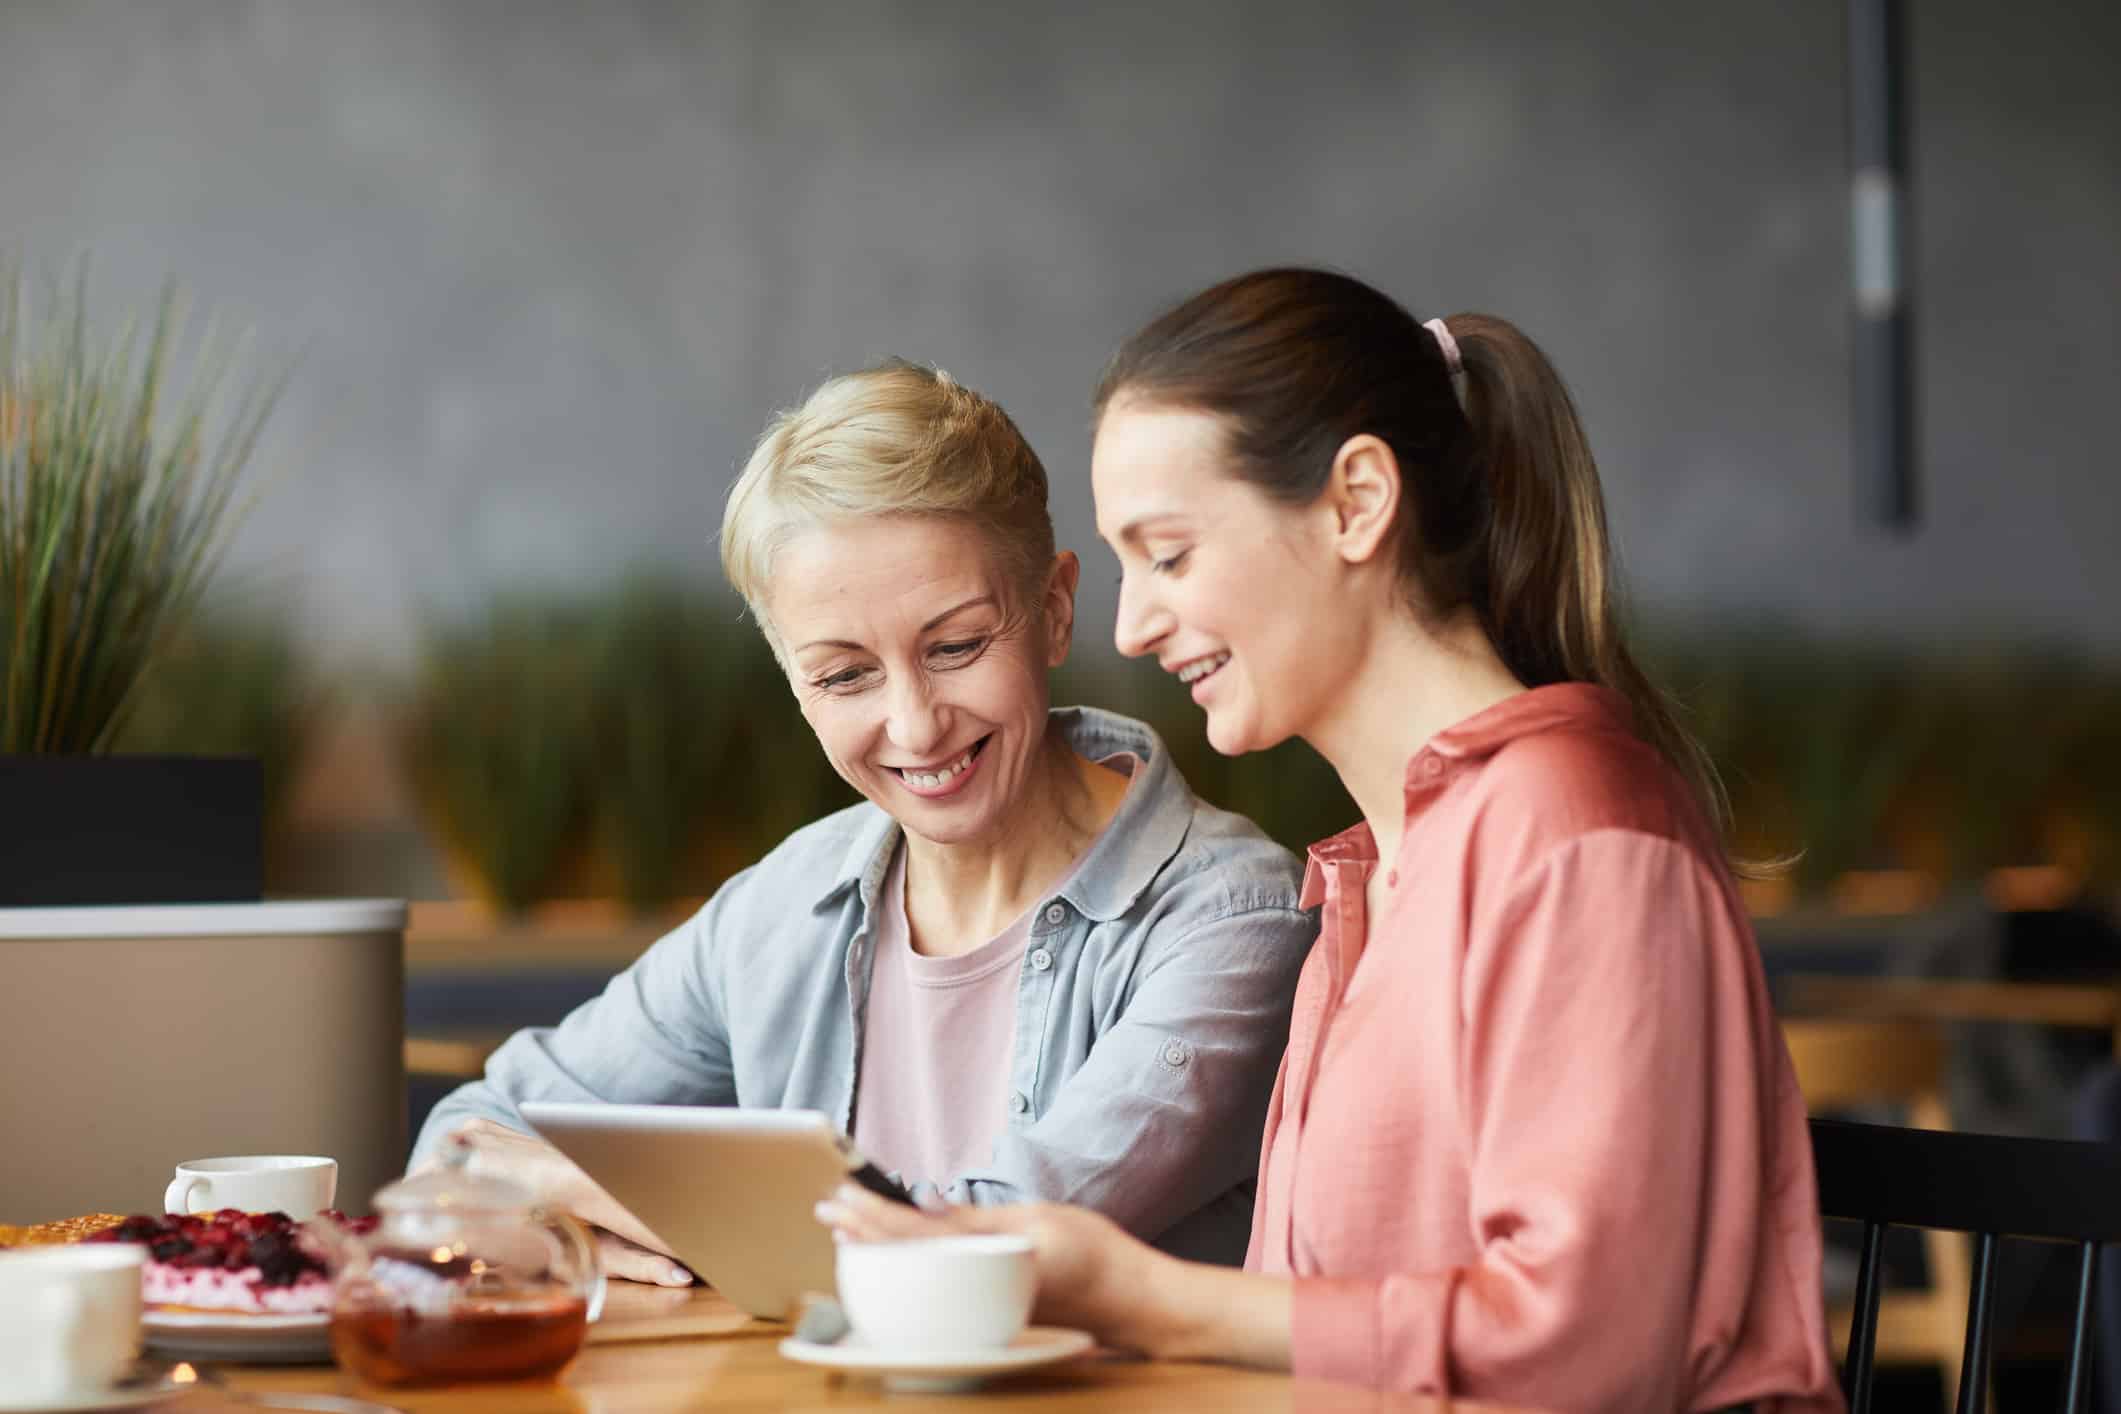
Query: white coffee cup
[299, 1185]
[69, 1320]
[937, 1295]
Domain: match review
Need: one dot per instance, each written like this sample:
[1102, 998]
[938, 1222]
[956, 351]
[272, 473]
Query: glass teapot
[462, 1278]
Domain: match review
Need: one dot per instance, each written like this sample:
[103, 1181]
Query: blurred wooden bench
[452, 1057]
[2087, 1006]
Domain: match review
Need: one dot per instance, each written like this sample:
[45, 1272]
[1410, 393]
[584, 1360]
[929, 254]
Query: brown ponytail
[1551, 602]
[1504, 516]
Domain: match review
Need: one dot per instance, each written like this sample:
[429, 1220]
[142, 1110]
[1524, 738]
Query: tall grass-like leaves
[2092, 766]
[231, 682]
[645, 719]
[113, 509]
[650, 720]
[1817, 740]
[671, 694]
[500, 741]
[703, 758]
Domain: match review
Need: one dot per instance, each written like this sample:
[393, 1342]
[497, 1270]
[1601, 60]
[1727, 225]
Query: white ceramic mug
[937, 1295]
[69, 1320]
[299, 1185]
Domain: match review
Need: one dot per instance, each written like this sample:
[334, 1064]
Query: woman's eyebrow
[1138, 529]
[944, 617]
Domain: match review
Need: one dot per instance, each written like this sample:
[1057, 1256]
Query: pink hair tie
[1448, 344]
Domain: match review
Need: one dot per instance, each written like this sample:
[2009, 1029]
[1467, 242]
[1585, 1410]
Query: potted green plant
[117, 494]
[130, 885]
[236, 683]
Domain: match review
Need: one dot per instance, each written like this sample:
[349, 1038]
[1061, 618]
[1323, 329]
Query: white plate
[121, 1397]
[235, 1335]
[1037, 1346]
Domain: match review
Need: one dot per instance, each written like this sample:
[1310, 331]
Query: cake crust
[58, 1231]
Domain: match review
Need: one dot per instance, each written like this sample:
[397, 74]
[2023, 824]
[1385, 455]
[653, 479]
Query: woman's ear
[1059, 606]
[1362, 495]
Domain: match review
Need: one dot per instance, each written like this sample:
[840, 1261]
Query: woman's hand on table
[628, 1250]
[1090, 1272]
[1093, 1276]
[630, 1261]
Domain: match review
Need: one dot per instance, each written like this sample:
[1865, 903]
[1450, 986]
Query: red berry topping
[231, 1240]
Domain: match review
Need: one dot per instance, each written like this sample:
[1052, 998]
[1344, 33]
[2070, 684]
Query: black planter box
[131, 829]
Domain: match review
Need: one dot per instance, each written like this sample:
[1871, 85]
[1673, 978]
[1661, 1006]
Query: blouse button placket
[1033, 1009]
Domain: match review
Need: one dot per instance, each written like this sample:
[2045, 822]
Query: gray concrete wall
[554, 264]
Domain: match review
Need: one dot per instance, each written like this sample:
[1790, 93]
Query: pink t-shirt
[934, 1085]
[935, 1072]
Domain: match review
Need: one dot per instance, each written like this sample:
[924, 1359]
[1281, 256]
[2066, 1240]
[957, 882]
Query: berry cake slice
[229, 1262]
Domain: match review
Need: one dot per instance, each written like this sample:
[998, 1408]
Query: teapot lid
[452, 1186]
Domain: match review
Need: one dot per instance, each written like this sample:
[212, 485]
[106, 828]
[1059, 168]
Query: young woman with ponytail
[1535, 1138]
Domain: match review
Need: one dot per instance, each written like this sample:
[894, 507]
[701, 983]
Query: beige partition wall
[132, 1039]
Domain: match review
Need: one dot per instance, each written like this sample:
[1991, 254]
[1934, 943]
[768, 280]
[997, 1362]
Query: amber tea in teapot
[396, 1346]
[463, 1279]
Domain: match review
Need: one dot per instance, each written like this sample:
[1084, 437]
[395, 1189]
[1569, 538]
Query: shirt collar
[1144, 833]
[1570, 706]
[1352, 845]
[1578, 706]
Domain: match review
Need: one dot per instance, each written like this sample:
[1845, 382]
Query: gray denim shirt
[1152, 1008]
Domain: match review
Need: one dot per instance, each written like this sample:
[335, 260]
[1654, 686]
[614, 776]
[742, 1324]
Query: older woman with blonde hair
[1031, 964]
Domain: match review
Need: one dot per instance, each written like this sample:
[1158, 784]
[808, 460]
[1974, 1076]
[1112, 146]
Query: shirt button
[1041, 960]
[1019, 1103]
[1392, 879]
[1176, 1053]
[1432, 767]
[1056, 914]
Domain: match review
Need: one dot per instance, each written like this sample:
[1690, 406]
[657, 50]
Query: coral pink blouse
[1536, 1137]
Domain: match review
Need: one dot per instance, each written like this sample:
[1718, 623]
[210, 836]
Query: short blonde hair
[896, 439]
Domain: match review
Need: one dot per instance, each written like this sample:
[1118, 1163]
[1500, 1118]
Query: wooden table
[2088, 1006]
[740, 1368]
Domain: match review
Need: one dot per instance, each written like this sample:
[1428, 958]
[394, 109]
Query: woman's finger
[630, 1262]
[599, 1209]
[857, 1215]
[500, 1152]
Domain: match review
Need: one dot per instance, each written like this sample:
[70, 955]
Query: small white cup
[69, 1320]
[299, 1185]
[937, 1295]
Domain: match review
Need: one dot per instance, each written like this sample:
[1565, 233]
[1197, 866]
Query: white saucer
[1036, 1346]
[119, 1397]
[235, 1335]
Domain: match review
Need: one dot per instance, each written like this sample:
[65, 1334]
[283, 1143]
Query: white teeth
[929, 780]
[1201, 667]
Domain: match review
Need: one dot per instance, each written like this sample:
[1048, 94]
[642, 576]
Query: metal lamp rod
[1879, 207]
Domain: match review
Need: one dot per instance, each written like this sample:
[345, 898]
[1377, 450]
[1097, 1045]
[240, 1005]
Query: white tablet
[729, 1190]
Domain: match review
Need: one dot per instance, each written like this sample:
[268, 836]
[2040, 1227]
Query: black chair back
[2055, 1190]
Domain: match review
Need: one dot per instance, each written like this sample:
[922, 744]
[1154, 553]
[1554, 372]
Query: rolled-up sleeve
[655, 1035]
[1613, 1115]
[1165, 1113]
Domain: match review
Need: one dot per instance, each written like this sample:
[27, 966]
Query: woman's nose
[1141, 624]
[917, 723]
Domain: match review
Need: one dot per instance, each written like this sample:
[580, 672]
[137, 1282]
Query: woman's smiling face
[922, 673]
[1230, 591]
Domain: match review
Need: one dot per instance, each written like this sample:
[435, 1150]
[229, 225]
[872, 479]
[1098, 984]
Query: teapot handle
[575, 1233]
